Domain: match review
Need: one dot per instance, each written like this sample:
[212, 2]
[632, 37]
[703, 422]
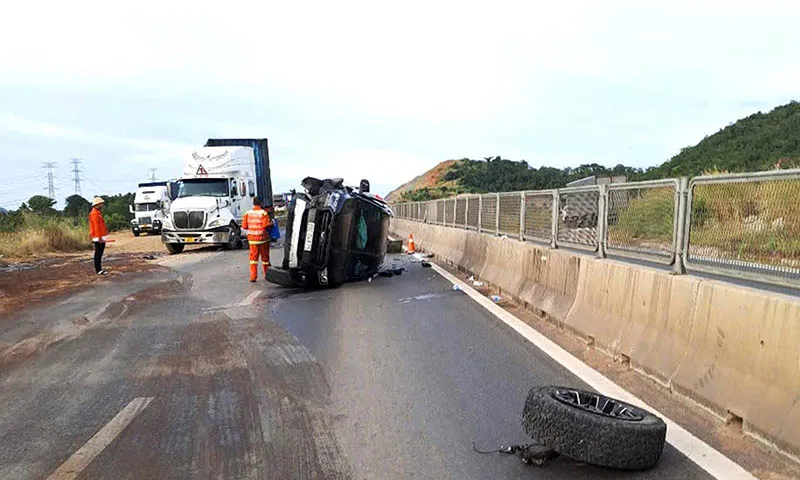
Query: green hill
[762, 141]
[754, 143]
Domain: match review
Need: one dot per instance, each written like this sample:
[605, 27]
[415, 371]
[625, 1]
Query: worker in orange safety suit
[256, 222]
[98, 232]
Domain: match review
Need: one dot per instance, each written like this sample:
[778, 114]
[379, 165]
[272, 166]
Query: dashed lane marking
[250, 298]
[91, 449]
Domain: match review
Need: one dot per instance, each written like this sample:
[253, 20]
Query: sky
[376, 90]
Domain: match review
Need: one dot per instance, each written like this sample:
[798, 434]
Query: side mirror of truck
[364, 186]
[130, 208]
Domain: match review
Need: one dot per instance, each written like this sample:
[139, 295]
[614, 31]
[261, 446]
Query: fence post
[466, 213]
[455, 212]
[602, 216]
[522, 216]
[682, 233]
[554, 222]
[480, 214]
[497, 214]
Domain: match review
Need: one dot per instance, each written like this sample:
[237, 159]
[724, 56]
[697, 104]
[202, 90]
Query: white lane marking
[706, 457]
[250, 298]
[91, 449]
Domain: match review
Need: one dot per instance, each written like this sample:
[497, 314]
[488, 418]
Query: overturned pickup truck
[334, 234]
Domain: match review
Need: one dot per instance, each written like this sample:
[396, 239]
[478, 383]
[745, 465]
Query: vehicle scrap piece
[593, 428]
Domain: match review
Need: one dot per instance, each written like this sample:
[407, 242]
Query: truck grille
[189, 220]
[145, 220]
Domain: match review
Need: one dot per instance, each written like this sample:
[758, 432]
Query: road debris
[593, 428]
[530, 454]
[457, 288]
[496, 298]
[475, 283]
[426, 264]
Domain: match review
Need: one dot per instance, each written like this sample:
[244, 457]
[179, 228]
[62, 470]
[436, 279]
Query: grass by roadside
[39, 235]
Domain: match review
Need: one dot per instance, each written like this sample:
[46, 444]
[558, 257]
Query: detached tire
[593, 428]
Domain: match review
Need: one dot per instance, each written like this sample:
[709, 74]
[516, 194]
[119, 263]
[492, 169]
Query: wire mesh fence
[641, 219]
[473, 207]
[489, 212]
[577, 216]
[461, 212]
[539, 216]
[746, 225]
[510, 206]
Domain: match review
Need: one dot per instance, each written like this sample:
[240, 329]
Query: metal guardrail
[741, 225]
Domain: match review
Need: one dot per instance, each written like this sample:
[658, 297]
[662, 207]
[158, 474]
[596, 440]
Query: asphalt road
[195, 373]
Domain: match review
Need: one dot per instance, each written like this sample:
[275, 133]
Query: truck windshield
[146, 207]
[203, 188]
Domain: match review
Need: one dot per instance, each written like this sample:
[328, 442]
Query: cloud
[30, 127]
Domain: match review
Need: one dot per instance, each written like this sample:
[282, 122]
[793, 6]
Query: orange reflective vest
[256, 222]
[97, 226]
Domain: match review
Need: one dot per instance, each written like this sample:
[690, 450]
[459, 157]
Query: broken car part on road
[588, 427]
[593, 428]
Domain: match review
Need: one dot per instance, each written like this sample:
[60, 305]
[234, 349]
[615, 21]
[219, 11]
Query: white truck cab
[150, 207]
[216, 189]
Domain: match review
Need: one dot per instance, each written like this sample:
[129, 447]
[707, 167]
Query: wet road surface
[196, 373]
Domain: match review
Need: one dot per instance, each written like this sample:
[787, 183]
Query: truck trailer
[217, 187]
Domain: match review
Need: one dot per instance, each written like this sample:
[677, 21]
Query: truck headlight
[216, 223]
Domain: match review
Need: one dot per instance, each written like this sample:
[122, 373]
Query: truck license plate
[309, 236]
[190, 240]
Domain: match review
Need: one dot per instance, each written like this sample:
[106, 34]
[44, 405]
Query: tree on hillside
[77, 206]
[42, 205]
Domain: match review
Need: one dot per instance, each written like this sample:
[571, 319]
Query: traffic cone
[411, 247]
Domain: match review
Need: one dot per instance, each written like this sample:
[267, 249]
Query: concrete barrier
[642, 313]
[732, 349]
[744, 360]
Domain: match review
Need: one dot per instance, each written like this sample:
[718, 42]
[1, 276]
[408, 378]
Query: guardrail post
[522, 216]
[455, 213]
[554, 222]
[497, 214]
[466, 213]
[679, 263]
[602, 217]
[480, 214]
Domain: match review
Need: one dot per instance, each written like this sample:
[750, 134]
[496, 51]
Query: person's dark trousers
[99, 248]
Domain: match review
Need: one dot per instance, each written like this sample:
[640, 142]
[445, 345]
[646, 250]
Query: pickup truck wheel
[135, 233]
[233, 239]
[174, 248]
[593, 428]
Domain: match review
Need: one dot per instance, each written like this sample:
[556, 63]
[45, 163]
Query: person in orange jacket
[98, 232]
[257, 222]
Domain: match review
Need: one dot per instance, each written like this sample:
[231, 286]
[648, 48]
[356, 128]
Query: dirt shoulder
[25, 281]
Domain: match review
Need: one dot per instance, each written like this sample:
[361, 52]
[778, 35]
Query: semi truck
[150, 207]
[217, 187]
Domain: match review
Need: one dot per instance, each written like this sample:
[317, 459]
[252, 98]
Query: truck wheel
[233, 239]
[593, 428]
[174, 248]
[135, 233]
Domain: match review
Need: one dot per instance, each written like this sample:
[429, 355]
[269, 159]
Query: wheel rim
[597, 404]
[232, 240]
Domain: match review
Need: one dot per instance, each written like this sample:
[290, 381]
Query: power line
[51, 189]
[77, 171]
